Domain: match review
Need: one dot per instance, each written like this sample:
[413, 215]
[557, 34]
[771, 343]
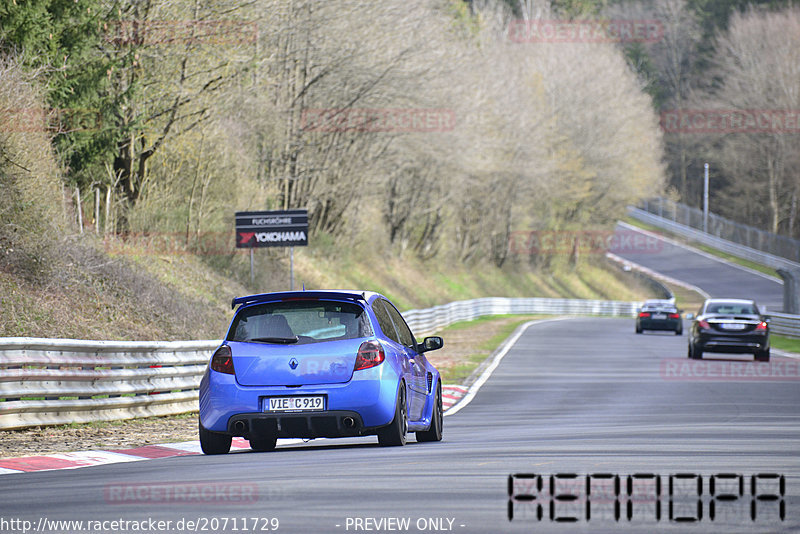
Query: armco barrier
[432, 319]
[770, 260]
[785, 324]
[741, 234]
[59, 381]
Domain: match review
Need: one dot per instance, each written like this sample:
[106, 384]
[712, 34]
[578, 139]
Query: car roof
[737, 301]
[347, 294]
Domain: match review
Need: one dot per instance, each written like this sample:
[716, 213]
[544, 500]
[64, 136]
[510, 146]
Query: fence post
[791, 295]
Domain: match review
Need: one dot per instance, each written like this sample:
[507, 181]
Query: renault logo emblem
[293, 363]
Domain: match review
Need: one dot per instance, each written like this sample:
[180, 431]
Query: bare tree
[757, 62]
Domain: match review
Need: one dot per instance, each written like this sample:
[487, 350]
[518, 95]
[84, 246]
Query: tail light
[762, 325]
[703, 324]
[644, 314]
[370, 354]
[674, 315]
[222, 360]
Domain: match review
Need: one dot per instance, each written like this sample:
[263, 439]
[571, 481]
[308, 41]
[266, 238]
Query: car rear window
[665, 308]
[732, 308]
[310, 321]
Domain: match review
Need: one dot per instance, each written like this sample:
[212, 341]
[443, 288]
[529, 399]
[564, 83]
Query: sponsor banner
[776, 370]
[566, 242]
[724, 121]
[378, 120]
[180, 32]
[272, 228]
[586, 31]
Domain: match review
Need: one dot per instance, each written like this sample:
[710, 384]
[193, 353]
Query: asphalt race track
[715, 277]
[574, 396]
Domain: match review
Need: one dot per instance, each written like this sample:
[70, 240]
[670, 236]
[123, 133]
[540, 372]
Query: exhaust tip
[349, 422]
[239, 426]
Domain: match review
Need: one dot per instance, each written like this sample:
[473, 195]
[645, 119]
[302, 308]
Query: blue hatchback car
[309, 364]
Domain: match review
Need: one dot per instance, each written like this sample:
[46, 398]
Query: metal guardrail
[61, 381]
[742, 234]
[433, 319]
[770, 260]
[785, 324]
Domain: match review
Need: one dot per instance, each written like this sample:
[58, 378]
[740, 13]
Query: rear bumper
[369, 398]
[668, 324]
[324, 424]
[732, 344]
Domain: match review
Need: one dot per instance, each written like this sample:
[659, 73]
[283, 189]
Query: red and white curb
[75, 460]
[451, 395]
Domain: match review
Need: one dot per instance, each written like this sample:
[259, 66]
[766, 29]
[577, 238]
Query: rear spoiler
[310, 295]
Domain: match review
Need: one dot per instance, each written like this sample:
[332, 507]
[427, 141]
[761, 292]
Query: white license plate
[733, 326]
[659, 316]
[294, 404]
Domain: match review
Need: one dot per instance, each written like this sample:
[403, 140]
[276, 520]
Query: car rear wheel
[694, 353]
[638, 329]
[434, 433]
[394, 434]
[679, 331]
[214, 442]
[263, 444]
[762, 356]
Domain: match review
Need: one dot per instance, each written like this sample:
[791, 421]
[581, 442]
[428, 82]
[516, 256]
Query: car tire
[266, 444]
[639, 329]
[394, 434]
[434, 432]
[679, 331]
[694, 353]
[213, 442]
[762, 356]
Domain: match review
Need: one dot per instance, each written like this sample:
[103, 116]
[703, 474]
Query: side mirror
[432, 343]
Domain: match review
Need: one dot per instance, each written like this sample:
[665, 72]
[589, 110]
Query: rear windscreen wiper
[282, 340]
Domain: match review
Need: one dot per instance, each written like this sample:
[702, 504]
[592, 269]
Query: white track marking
[473, 390]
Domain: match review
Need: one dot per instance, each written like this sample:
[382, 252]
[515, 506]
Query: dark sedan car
[659, 315]
[731, 326]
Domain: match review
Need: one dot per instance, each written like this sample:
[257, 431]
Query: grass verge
[789, 344]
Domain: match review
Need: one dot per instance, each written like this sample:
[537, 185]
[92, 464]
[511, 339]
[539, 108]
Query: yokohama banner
[272, 228]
